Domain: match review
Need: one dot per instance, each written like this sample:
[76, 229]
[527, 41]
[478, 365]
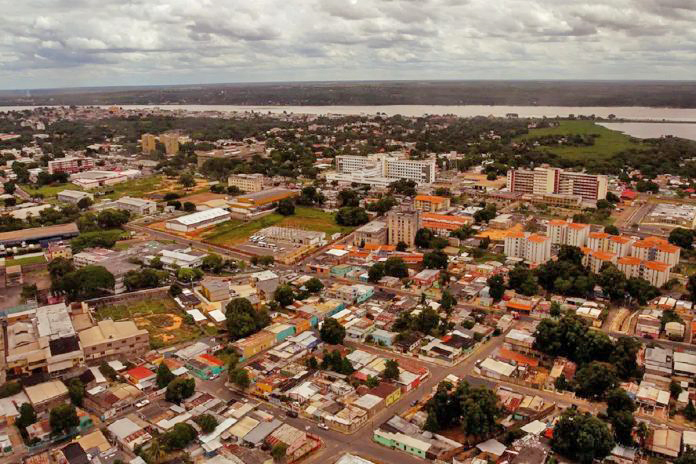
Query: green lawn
[25, 261]
[49, 191]
[235, 231]
[134, 188]
[141, 308]
[608, 144]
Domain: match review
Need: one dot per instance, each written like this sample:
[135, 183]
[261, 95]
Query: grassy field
[162, 318]
[49, 191]
[25, 261]
[234, 232]
[135, 187]
[606, 145]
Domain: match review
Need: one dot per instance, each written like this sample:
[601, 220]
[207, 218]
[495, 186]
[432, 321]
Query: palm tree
[156, 451]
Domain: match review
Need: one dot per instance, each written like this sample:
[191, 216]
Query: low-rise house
[141, 377]
[497, 369]
[665, 442]
[402, 442]
[47, 395]
[130, 432]
[111, 401]
[384, 337]
[389, 392]
[215, 290]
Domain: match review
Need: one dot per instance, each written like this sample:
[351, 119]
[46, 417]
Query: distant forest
[675, 94]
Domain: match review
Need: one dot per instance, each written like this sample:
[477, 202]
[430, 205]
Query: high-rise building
[403, 225]
[70, 164]
[533, 248]
[148, 142]
[567, 233]
[249, 183]
[545, 180]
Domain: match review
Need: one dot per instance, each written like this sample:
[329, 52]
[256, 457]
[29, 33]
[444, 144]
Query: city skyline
[86, 43]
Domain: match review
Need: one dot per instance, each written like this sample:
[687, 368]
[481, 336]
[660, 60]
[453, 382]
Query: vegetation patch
[607, 142]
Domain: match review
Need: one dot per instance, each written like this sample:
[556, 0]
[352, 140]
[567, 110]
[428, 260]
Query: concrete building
[249, 183]
[148, 143]
[372, 233]
[43, 340]
[533, 248]
[73, 196]
[567, 233]
[70, 165]
[136, 205]
[443, 224]
[403, 225]
[554, 180]
[198, 220]
[259, 202]
[656, 249]
[380, 170]
[292, 235]
[40, 235]
[595, 259]
[431, 203]
[109, 340]
[47, 395]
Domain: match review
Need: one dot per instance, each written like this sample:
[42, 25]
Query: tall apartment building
[148, 143]
[70, 165]
[381, 170]
[403, 225]
[533, 248]
[655, 272]
[595, 259]
[567, 233]
[616, 244]
[249, 183]
[553, 180]
[656, 249]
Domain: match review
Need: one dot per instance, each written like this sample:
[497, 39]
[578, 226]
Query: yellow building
[254, 344]
[148, 143]
[431, 203]
[249, 183]
[171, 143]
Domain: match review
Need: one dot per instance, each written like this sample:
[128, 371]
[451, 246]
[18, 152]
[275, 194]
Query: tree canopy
[243, 320]
[581, 437]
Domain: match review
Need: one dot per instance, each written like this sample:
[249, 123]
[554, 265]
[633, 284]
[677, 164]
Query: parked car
[323, 426]
[291, 414]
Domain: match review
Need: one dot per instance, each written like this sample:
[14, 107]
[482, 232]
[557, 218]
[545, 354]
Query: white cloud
[54, 43]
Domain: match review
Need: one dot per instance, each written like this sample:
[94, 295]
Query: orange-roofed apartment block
[533, 248]
[656, 249]
[568, 233]
[595, 259]
[655, 272]
[431, 203]
[443, 224]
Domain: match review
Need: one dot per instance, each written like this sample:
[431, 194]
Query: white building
[567, 233]
[73, 196]
[381, 170]
[532, 248]
[198, 220]
[136, 205]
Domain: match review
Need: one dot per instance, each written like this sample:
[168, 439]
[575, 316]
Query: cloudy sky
[61, 43]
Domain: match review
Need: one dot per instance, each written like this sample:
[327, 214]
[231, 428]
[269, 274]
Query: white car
[142, 403]
[323, 426]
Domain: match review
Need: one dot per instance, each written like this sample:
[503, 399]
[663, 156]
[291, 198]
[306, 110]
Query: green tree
[423, 238]
[375, 273]
[85, 283]
[622, 424]
[391, 370]
[164, 375]
[76, 390]
[314, 285]
[395, 267]
[681, 237]
[286, 207]
[332, 332]
[496, 287]
[213, 263]
[372, 381]
[9, 187]
[690, 411]
[593, 380]
[29, 292]
[185, 274]
[447, 301]
[687, 457]
[187, 180]
[27, 415]
[243, 320]
[284, 295]
[278, 451]
[401, 246]
[241, 379]
[581, 437]
[612, 230]
[179, 389]
[179, 437]
[618, 400]
[63, 418]
[207, 422]
[435, 260]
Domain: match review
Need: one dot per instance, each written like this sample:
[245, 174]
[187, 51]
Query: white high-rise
[381, 170]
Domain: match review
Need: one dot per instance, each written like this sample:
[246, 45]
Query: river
[659, 121]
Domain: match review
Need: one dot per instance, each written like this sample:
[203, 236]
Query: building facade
[546, 180]
[533, 248]
[249, 183]
[403, 226]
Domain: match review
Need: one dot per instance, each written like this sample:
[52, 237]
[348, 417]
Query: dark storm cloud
[99, 42]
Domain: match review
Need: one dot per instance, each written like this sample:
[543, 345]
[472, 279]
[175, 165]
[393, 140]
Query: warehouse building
[198, 220]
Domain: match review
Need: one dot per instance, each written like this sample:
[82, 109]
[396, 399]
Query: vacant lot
[235, 232]
[49, 191]
[162, 318]
[607, 144]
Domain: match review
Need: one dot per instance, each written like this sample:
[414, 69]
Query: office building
[380, 170]
[249, 183]
[148, 143]
[253, 203]
[403, 225]
[533, 248]
[70, 165]
[546, 180]
[372, 233]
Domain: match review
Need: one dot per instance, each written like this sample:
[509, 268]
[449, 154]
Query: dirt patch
[203, 197]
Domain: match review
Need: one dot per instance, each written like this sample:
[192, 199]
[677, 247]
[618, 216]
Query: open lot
[162, 318]
[608, 144]
[235, 232]
[48, 191]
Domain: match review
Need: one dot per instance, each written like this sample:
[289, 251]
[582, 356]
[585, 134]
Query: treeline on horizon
[673, 94]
